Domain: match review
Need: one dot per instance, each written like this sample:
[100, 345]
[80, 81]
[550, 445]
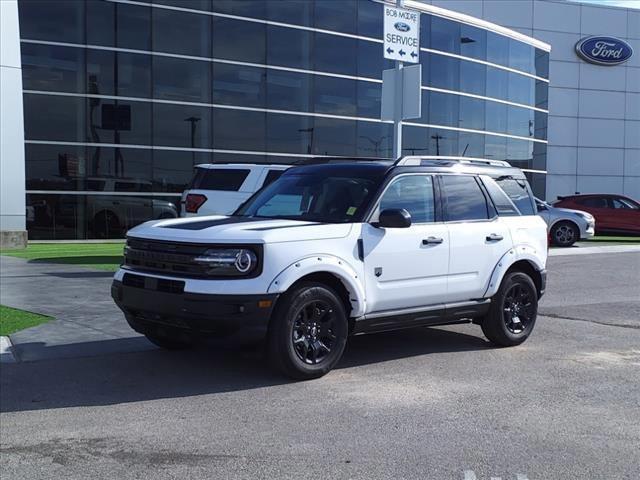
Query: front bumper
[160, 307]
[589, 232]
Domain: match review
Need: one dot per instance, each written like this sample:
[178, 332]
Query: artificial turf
[102, 256]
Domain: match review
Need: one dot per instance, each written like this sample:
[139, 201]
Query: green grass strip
[102, 256]
[13, 320]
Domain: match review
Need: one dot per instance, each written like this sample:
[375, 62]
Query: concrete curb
[558, 252]
[6, 351]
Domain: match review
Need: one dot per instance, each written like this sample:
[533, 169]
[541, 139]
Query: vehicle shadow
[156, 374]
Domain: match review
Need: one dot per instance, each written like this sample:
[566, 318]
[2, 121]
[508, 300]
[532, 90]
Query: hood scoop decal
[202, 224]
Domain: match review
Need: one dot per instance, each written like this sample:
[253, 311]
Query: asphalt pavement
[429, 403]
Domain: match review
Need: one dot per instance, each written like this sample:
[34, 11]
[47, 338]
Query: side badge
[377, 271]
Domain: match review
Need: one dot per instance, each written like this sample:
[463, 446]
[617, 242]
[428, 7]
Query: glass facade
[122, 99]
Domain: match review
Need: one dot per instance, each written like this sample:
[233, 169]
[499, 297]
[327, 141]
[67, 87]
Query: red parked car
[613, 213]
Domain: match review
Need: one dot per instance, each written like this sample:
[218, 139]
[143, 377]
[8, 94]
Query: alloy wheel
[313, 333]
[518, 308]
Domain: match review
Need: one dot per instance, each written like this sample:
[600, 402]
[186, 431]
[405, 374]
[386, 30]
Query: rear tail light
[193, 202]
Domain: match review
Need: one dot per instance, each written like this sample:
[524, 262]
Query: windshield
[333, 198]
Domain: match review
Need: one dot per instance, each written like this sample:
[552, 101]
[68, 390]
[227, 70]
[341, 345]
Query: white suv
[342, 248]
[219, 189]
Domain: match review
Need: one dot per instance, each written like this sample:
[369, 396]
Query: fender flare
[515, 254]
[323, 263]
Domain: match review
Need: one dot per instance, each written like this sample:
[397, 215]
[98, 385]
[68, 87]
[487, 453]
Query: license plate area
[155, 284]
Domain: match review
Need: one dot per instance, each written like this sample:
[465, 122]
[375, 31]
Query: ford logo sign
[401, 27]
[604, 50]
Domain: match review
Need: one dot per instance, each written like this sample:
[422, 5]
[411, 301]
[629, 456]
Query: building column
[13, 231]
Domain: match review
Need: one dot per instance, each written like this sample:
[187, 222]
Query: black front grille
[165, 257]
[177, 259]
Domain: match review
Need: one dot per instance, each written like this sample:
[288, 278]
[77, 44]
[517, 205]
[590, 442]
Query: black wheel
[564, 234]
[106, 225]
[308, 332]
[168, 343]
[513, 311]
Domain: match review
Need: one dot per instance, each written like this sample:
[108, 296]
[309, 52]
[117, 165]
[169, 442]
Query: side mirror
[394, 218]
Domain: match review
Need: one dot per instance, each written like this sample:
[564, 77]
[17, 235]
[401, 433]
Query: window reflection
[290, 134]
[133, 26]
[192, 84]
[100, 23]
[289, 90]
[60, 21]
[181, 32]
[290, 47]
[60, 217]
[335, 95]
[297, 12]
[64, 120]
[473, 42]
[334, 137]
[181, 126]
[238, 40]
[52, 68]
[239, 85]
[238, 130]
[374, 139]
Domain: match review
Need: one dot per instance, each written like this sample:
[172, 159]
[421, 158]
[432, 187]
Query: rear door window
[464, 199]
[226, 179]
[518, 191]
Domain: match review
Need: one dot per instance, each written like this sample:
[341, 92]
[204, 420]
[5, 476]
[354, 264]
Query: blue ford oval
[402, 27]
[604, 50]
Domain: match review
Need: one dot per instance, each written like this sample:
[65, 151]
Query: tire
[308, 331]
[565, 234]
[168, 343]
[510, 323]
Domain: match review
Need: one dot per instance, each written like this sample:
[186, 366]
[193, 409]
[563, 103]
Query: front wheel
[513, 311]
[309, 331]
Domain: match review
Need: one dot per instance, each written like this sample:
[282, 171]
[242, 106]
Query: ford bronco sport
[340, 248]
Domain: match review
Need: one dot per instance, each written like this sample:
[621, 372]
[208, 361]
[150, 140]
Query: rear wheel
[308, 333]
[513, 311]
[564, 234]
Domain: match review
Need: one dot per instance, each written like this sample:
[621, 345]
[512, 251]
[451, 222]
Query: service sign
[604, 50]
[401, 34]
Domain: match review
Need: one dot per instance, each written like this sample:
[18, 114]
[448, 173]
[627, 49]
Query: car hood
[221, 229]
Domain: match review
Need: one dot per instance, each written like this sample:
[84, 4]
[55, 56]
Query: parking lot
[431, 403]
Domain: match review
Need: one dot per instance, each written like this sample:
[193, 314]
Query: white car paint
[464, 267]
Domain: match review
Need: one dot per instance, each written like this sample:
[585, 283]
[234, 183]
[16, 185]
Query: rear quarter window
[518, 191]
[226, 179]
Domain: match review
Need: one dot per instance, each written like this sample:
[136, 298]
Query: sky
[615, 3]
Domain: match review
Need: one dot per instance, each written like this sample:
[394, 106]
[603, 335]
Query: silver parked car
[566, 226]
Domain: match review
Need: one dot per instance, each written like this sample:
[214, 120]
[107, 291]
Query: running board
[442, 314]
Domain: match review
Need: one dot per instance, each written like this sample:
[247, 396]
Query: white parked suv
[220, 188]
[342, 248]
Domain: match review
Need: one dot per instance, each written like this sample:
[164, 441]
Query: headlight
[228, 261]
[587, 216]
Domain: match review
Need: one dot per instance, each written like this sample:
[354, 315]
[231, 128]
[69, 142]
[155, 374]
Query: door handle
[494, 237]
[432, 241]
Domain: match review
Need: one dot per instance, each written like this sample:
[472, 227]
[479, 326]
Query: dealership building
[107, 104]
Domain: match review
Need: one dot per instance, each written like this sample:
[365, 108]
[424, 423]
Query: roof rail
[320, 160]
[415, 161]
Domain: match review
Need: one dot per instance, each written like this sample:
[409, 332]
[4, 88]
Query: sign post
[402, 44]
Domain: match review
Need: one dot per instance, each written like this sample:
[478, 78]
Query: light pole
[194, 121]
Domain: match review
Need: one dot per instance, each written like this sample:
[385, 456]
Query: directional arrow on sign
[414, 54]
[402, 53]
[390, 50]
